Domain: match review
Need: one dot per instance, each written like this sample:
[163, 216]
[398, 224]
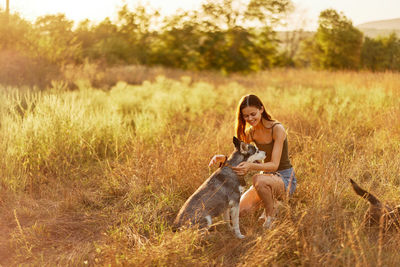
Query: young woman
[276, 175]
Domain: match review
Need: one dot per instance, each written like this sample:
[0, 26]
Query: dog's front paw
[239, 235]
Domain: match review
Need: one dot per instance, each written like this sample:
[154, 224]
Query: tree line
[221, 36]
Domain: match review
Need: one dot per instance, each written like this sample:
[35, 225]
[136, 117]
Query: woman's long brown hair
[240, 125]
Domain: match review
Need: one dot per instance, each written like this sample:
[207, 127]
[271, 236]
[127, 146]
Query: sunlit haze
[359, 11]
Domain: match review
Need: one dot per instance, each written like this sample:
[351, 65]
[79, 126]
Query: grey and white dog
[220, 193]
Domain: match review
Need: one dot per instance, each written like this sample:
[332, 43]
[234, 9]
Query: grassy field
[96, 176]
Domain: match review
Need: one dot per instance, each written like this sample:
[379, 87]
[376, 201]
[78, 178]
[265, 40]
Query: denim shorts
[288, 177]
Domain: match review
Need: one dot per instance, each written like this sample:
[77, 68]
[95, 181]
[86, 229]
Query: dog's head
[250, 152]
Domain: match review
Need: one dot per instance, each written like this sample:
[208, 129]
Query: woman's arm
[279, 138]
[217, 159]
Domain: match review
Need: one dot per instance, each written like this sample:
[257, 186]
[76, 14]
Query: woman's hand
[242, 168]
[216, 159]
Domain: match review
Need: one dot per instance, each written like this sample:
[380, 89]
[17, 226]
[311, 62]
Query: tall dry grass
[96, 177]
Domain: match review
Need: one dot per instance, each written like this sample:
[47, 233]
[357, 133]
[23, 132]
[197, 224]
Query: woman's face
[252, 115]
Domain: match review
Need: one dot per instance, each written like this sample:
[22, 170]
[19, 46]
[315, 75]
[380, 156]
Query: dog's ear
[236, 142]
[244, 148]
[241, 146]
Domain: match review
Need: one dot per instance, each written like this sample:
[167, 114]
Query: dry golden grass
[96, 177]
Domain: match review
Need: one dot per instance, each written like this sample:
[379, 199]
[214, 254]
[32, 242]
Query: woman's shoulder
[271, 124]
[278, 129]
[277, 124]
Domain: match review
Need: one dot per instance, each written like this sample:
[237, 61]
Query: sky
[307, 11]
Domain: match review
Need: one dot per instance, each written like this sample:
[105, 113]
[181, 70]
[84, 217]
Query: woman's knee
[261, 184]
[257, 178]
[260, 180]
[270, 183]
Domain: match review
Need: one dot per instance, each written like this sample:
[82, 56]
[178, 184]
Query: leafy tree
[232, 45]
[268, 12]
[338, 42]
[306, 56]
[55, 39]
[391, 45]
[85, 36]
[14, 33]
[219, 36]
[178, 43]
[135, 27]
[19, 58]
[266, 48]
[228, 45]
[223, 35]
[109, 44]
[372, 54]
[234, 50]
[382, 53]
[128, 40]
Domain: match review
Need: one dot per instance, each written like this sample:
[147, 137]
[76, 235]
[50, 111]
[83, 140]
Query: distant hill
[380, 27]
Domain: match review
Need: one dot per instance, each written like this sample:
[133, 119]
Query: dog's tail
[364, 194]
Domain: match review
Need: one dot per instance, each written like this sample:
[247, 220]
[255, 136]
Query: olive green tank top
[267, 148]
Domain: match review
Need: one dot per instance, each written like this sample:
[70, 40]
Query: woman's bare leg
[249, 202]
[269, 188]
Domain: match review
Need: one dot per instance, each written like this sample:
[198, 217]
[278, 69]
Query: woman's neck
[263, 124]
